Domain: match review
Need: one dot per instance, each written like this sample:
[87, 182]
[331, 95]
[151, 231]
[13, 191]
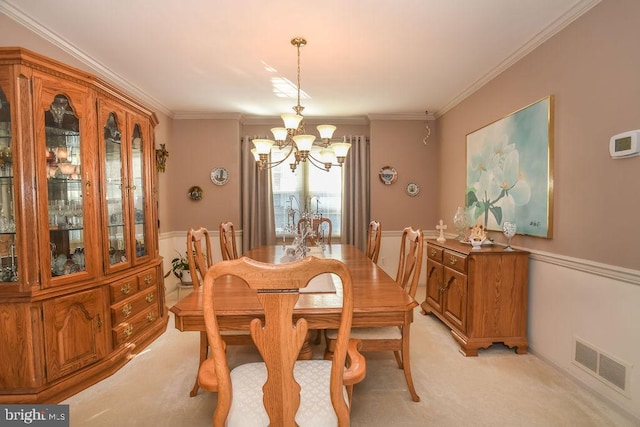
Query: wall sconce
[161, 158]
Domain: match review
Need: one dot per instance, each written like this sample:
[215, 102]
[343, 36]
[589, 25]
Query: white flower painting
[509, 175]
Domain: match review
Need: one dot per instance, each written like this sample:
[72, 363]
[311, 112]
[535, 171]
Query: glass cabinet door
[8, 257]
[63, 157]
[138, 191]
[115, 185]
[125, 152]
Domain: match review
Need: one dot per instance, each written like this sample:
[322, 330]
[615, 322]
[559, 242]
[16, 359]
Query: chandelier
[293, 137]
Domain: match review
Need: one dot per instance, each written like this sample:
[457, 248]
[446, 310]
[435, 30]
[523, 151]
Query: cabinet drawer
[147, 278]
[126, 331]
[434, 253]
[455, 261]
[123, 289]
[129, 308]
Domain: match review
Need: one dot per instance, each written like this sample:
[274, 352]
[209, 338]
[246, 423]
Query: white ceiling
[209, 58]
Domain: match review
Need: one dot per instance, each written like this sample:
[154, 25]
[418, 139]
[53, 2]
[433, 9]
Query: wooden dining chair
[374, 236]
[282, 391]
[199, 258]
[393, 338]
[323, 228]
[228, 241]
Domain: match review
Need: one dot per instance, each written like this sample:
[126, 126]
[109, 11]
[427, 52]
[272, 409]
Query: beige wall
[400, 144]
[197, 147]
[592, 68]
[163, 135]
[583, 283]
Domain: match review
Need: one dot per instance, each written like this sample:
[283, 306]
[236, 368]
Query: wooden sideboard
[480, 294]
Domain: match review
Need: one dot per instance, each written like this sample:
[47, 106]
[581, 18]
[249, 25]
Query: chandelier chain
[299, 75]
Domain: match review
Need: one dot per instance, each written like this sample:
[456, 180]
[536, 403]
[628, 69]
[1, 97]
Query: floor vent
[606, 368]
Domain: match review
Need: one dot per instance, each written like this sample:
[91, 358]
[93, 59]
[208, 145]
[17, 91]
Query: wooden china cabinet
[81, 285]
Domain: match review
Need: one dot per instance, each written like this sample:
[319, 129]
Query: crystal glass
[509, 230]
[65, 187]
[461, 223]
[59, 109]
[137, 153]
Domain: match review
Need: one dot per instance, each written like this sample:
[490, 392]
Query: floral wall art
[509, 171]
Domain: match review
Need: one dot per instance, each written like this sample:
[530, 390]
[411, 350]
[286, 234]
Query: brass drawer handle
[149, 297]
[128, 331]
[151, 317]
[433, 252]
[126, 288]
[147, 279]
[126, 310]
[453, 260]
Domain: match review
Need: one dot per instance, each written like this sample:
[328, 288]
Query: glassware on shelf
[66, 168]
[59, 109]
[62, 154]
[509, 230]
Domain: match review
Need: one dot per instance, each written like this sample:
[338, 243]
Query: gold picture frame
[510, 171]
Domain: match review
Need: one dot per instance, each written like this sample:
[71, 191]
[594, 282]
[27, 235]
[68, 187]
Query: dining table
[377, 299]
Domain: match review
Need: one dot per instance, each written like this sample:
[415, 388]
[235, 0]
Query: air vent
[586, 356]
[602, 366]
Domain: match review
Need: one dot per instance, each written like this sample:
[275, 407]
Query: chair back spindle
[374, 237]
[199, 255]
[323, 228]
[410, 263]
[228, 241]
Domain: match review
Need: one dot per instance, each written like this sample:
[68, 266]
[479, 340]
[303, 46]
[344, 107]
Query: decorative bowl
[67, 168]
[476, 243]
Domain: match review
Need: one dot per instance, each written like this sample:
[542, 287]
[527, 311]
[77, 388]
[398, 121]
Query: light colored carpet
[497, 388]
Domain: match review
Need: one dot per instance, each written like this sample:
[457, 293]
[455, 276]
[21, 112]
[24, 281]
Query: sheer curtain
[258, 218]
[355, 195]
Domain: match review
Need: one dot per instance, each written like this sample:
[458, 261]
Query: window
[315, 190]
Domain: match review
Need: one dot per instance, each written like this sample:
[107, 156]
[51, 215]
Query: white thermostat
[625, 144]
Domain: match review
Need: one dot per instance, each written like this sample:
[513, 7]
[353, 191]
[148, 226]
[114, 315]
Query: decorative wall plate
[195, 193]
[413, 189]
[219, 176]
[388, 175]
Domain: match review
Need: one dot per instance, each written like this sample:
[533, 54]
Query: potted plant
[180, 268]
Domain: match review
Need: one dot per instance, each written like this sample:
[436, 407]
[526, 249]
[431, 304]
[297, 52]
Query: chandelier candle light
[294, 137]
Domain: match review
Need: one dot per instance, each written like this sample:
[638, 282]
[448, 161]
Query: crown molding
[207, 116]
[552, 29]
[402, 116]
[93, 65]
[254, 120]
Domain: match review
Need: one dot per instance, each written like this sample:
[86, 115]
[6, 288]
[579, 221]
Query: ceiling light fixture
[301, 146]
